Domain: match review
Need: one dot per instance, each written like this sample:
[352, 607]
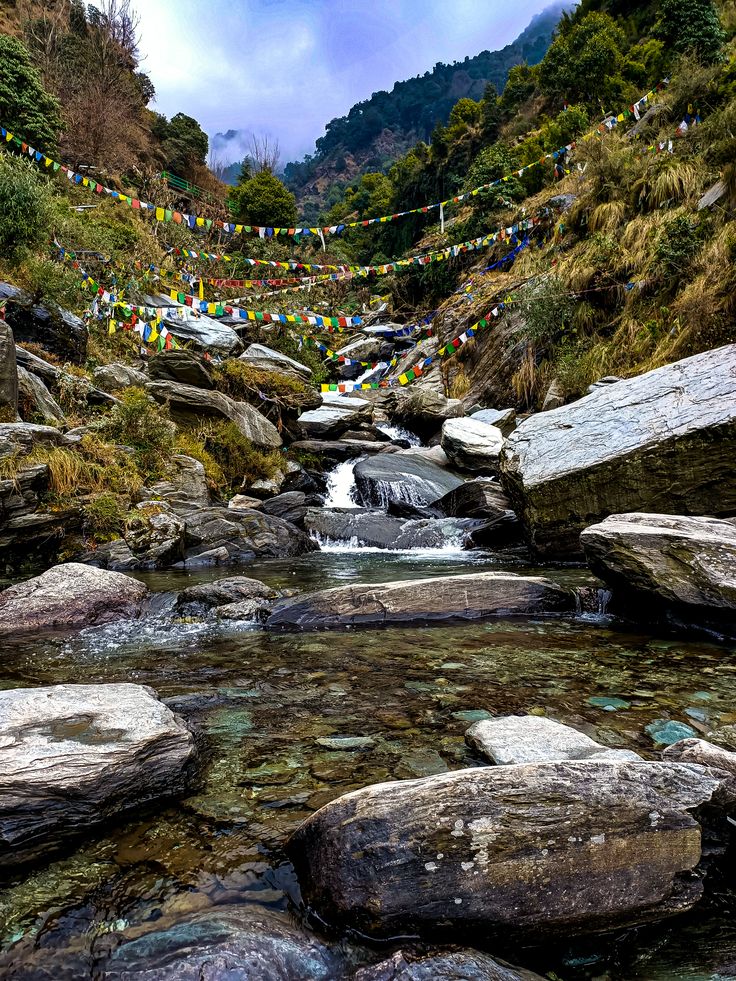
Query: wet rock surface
[573, 846]
[73, 756]
[404, 476]
[617, 451]
[221, 592]
[70, 596]
[680, 562]
[536, 739]
[470, 597]
[220, 536]
[375, 529]
[472, 445]
[452, 965]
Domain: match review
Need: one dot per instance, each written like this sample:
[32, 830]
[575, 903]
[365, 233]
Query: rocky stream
[455, 693]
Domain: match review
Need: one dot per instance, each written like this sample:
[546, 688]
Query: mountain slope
[379, 130]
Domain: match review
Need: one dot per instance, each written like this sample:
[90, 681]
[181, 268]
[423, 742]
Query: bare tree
[265, 152]
[44, 25]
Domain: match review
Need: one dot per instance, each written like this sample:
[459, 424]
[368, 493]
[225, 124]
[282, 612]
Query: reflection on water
[262, 701]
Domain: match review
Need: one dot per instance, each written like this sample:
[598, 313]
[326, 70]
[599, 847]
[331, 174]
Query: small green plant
[545, 309]
[137, 421]
[239, 462]
[104, 517]
[24, 207]
[679, 242]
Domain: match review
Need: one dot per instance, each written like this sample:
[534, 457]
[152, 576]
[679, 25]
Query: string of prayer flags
[195, 222]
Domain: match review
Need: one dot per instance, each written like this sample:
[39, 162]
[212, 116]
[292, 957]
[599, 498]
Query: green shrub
[546, 310]
[246, 383]
[26, 108]
[679, 242]
[104, 517]
[238, 460]
[24, 207]
[137, 421]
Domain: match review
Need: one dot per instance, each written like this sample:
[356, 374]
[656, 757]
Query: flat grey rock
[517, 739]
[73, 756]
[472, 445]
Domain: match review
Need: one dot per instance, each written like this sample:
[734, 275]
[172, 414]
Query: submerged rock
[73, 756]
[473, 597]
[472, 445]
[402, 477]
[375, 529]
[441, 965]
[516, 739]
[188, 403]
[664, 441]
[238, 943]
[536, 849]
[679, 562]
[71, 596]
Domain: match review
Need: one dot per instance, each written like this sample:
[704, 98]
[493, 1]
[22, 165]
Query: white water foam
[341, 486]
[398, 432]
[452, 550]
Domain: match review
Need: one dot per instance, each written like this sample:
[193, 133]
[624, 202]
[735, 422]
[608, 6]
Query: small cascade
[341, 486]
[398, 432]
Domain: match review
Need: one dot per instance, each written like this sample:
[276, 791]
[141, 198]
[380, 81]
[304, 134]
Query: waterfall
[341, 486]
[398, 432]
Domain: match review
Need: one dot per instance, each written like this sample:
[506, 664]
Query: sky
[286, 67]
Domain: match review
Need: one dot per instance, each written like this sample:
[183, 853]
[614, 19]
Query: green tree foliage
[691, 26]
[185, 144]
[490, 109]
[491, 164]
[585, 61]
[466, 112]
[26, 108]
[264, 200]
[24, 206]
[520, 86]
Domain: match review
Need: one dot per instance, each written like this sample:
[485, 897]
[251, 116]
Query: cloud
[287, 67]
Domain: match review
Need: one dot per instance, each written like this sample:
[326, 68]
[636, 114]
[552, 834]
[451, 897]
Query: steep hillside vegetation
[375, 132]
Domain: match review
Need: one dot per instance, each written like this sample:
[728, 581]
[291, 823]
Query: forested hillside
[375, 132]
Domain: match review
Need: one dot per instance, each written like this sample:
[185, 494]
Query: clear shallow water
[261, 701]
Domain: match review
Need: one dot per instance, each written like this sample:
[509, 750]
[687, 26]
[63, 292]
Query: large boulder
[516, 739]
[664, 441]
[375, 529]
[35, 401]
[8, 375]
[403, 477]
[186, 489]
[443, 965]
[685, 563]
[481, 498]
[70, 596]
[472, 445]
[260, 356]
[334, 418]
[537, 849]
[115, 377]
[223, 592]
[447, 598]
[702, 753]
[189, 404]
[291, 506]
[181, 366]
[219, 536]
[423, 411]
[58, 331]
[227, 943]
[73, 756]
[503, 419]
[187, 324]
[154, 533]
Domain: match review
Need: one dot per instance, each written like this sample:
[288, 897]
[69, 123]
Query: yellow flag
[201, 289]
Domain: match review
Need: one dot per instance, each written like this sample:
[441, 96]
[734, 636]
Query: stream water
[262, 700]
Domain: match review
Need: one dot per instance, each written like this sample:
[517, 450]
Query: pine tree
[692, 26]
[26, 108]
